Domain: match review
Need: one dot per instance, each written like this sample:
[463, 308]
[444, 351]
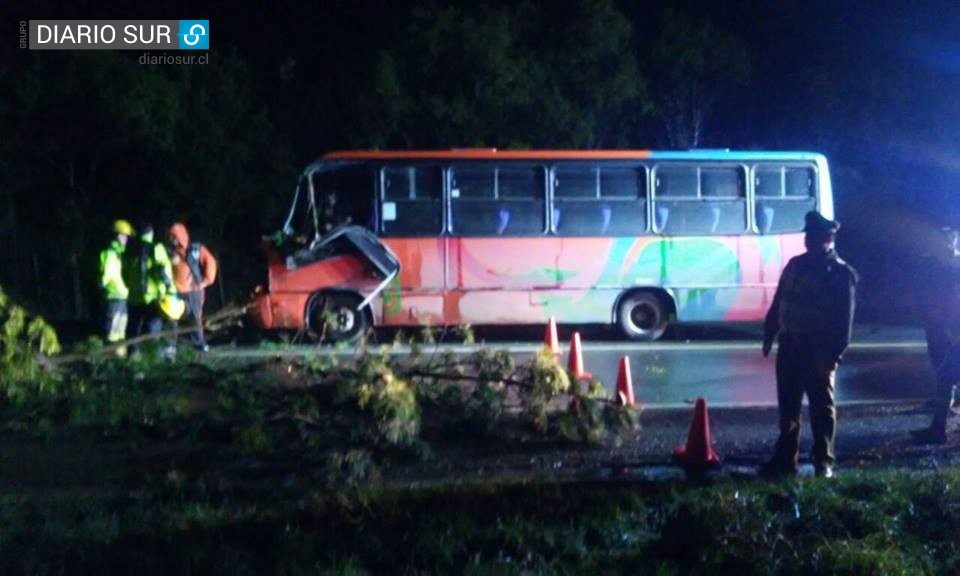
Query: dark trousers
[803, 369]
[937, 342]
[948, 374]
[144, 319]
[194, 316]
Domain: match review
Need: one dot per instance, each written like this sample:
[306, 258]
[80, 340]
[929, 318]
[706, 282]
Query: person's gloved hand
[767, 345]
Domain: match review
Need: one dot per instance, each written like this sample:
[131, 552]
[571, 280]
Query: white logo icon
[194, 34]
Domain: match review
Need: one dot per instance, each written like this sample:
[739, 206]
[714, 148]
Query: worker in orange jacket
[194, 269]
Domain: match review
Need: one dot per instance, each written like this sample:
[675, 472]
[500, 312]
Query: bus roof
[494, 154]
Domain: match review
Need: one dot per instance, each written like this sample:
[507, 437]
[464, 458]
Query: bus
[640, 239]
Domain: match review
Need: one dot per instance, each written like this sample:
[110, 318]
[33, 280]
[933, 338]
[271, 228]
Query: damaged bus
[639, 239]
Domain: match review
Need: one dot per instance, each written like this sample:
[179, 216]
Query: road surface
[882, 365]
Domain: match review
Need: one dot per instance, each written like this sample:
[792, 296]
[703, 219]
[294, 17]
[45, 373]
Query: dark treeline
[88, 137]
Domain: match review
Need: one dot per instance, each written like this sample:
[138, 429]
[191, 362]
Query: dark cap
[815, 222]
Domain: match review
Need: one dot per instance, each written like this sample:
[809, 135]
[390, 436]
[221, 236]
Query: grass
[866, 523]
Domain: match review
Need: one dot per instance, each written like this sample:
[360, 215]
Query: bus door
[410, 209]
[499, 259]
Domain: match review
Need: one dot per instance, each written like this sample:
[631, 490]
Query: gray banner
[104, 34]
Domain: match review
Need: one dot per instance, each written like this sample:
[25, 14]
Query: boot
[930, 435]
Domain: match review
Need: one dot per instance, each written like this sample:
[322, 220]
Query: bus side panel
[280, 311]
[592, 263]
[702, 272]
[533, 306]
[776, 252]
[727, 278]
[515, 281]
[503, 263]
[416, 297]
[772, 253]
[748, 302]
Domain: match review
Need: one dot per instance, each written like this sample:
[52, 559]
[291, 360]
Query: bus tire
[642, 316]
[333, 317]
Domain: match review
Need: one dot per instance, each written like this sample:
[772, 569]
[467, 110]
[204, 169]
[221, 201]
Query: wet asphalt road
[883, 364]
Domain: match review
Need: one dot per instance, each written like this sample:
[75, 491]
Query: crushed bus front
[349, 261]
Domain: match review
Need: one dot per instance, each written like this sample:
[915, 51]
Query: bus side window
[724, 191]
[599, 200]
[497, 200]
[784, 194]
[700, 200]
[411, 203]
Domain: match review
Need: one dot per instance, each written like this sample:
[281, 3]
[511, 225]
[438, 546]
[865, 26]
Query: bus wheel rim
[346, 320]
[642, 317]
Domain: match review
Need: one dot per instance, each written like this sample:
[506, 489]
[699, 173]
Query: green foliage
[389, 400]
[23, 340]
[429, 335]
[76, 147]
[485, 407]
[469, 76]
[353, 469]
[547, 380]
[254, 440]
[696, 64]
[591, 419]
[465, 334]
[547, 377]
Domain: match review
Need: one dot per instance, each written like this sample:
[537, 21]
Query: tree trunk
[35, 260]
[14, 243]
[78, 311]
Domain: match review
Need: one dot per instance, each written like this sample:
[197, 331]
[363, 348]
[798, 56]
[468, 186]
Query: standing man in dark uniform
[812, 312]
[939, 305]
[936, 287]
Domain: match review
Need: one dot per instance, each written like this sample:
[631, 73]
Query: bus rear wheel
[333, 317]
[642, 316]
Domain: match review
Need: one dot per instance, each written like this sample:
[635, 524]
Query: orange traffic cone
[624, 384]
[698, 453]
[551, 341]
[575, 363]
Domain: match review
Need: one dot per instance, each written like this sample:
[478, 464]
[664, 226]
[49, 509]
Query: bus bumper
[260, 312]
[278, 311]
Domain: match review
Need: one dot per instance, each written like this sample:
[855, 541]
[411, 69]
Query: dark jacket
[814, 303]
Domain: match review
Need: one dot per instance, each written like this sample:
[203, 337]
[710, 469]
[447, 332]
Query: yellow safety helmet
[172, 306]
[123, 227]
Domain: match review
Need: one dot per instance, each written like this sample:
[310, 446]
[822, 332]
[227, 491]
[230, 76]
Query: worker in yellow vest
[115, 291]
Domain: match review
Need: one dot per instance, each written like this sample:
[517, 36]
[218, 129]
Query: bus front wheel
[642, 316]
[333, 317]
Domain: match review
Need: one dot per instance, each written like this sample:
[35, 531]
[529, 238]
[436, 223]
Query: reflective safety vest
[111, 272]
[159, 275]
[147, 272]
